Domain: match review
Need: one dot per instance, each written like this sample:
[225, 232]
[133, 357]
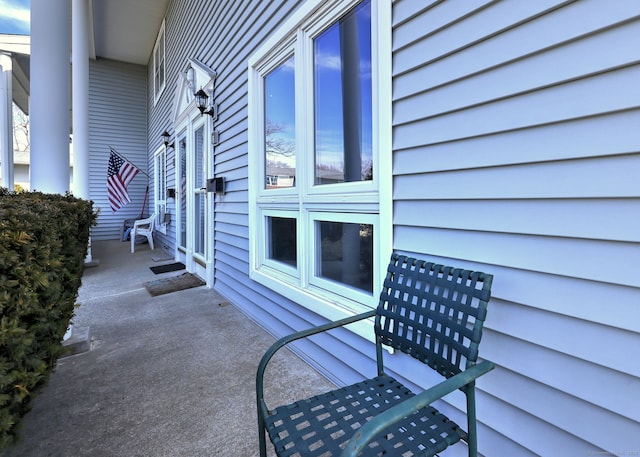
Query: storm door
[193, 205]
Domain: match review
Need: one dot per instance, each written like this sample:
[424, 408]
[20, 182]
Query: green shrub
[43, 243]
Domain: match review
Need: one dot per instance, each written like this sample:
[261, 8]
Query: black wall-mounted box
[215, 185]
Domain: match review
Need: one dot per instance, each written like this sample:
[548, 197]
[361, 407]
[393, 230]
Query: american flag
[119, 175]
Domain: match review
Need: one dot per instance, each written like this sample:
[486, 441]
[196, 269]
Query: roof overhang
[19, 47]
[122, 30]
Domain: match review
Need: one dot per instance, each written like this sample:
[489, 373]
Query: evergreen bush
[43, 244]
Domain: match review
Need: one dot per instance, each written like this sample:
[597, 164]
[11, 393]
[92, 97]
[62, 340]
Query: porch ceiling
[126, 30]
[123, 30]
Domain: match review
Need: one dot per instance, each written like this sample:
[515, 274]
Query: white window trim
[311, 19]
[160, 191]
[181, 214]
[157, 91]
[189, 122]
[197, 122]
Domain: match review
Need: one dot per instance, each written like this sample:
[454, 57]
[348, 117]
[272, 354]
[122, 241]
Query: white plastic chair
[143, 227]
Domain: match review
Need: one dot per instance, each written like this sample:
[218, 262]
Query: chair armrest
[376, 425]
[141, 223]
[296, 336]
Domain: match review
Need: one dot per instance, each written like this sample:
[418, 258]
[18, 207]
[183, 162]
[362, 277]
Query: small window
[159, 65]
[280, 249]
[345, 253]
[283, 245]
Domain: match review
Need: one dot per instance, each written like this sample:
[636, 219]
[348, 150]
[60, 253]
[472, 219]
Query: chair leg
[262, 437]
[472, 431]
[132, 236]
[150, 238]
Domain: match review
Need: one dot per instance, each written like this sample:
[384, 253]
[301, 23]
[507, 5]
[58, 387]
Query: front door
[192, 169]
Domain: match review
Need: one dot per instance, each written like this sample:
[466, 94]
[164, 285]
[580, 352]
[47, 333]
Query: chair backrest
[152, 222]
[433, 312]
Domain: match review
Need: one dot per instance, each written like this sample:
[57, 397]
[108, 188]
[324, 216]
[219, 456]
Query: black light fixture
[166, 136]
[202, 102]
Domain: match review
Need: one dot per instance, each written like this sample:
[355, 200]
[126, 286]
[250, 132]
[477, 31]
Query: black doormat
[168, 267]
[168, 285]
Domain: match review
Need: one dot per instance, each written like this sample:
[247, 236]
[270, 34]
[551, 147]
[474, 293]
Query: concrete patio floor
[172, 375]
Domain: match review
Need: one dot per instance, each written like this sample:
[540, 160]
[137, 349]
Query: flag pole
[127, 159]
[144, 202]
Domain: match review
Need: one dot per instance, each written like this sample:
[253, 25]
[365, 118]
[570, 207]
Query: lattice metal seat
[432, 312]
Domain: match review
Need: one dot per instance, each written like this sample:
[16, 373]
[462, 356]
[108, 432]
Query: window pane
[157, 82]
[198, 153]
[199, 227]
[162, 175]
[182, 154]
[282, 244]
[342, 65]
[279, 135]
[346, 253]
[199, 224]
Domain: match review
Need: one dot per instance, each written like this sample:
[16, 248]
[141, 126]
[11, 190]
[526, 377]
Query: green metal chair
[431, 312]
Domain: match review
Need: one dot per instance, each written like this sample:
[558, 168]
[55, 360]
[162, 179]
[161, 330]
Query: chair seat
[143, 227]
[314, 427]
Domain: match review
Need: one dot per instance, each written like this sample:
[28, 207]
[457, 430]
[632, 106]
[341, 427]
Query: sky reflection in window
[279, 136]
[342, 85]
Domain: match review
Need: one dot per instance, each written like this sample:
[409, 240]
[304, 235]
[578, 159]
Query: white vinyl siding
[515, 140]
[515, 151]
[230, 33]
[117, 119]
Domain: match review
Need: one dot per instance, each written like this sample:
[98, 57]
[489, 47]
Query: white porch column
[50, 93]
[6, 121]
[80, 96]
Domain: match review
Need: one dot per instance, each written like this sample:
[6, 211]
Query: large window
[342, 97]
[280, 126]
[320, 154]
[159, 64]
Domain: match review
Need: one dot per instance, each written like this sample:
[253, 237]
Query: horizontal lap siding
[228, 32]
[278, 315]
[117, 119]
[516, 142]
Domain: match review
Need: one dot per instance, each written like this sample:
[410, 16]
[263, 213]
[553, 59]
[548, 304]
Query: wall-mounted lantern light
[205, 104]
[166, 137]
